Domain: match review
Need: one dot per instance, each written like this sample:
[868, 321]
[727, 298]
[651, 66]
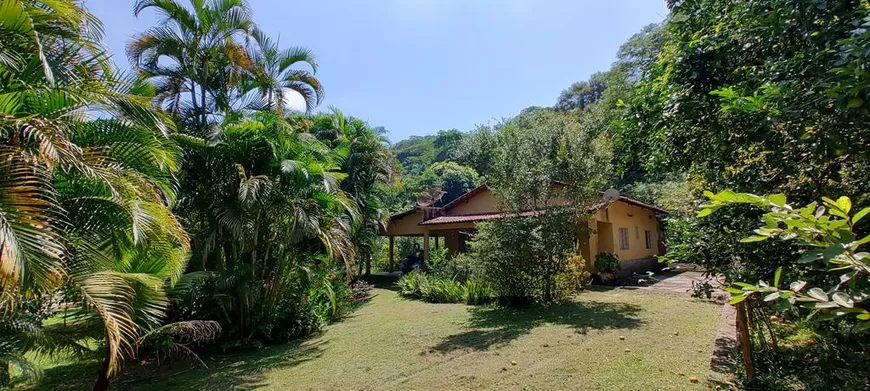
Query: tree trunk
[102, 383]
[744, 341]
[368, 257]
[193, 95]
[202, 86]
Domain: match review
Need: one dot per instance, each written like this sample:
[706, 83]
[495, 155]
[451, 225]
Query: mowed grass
[396, 344]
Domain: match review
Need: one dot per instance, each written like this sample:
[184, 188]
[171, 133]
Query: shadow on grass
[490, 326]
[387, 281]
[243, 370]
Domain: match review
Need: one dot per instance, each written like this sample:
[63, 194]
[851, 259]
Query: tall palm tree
[274, 74]
[85, 181]
[194, 56]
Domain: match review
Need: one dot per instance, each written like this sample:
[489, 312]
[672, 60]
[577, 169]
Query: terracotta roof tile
[475, 217]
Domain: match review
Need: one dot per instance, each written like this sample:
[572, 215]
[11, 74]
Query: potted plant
[608, 265]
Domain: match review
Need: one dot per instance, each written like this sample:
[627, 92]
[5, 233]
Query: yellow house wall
[636, 220]
[486, 202]
[406, 226]
[451, 240]
[483, 202]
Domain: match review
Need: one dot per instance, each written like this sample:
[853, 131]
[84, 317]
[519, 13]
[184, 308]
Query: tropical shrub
[460, 267]
[414, 284]
[479, 291]
[607, 265]
[573, 278]
[443, 290]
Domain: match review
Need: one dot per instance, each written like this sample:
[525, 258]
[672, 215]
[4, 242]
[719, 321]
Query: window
[649, 239]
[623, 238]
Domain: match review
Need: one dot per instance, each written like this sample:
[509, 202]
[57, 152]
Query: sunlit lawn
[392, 344]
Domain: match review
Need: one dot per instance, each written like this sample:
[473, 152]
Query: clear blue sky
[417, 66]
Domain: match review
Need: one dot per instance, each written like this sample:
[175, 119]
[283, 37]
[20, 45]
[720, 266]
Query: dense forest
[182, 209]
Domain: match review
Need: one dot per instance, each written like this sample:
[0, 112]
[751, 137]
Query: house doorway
[604, 233]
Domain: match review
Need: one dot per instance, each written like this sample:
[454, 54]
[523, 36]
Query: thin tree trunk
[745, 342]
[193, 96]
[202, 86]
[102, 383]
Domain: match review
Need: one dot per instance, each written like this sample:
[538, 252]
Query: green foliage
[92, 178]
[419, 152]
[439, 288]
[440, 183]
[414, 284]
[479, 291]
[582, 94]
[86, 168]
[460, 267]
[443, 290]
[672, 192]
[759, 97]
[806, 359]
[607, 263]
[523, 257]
[573, 278]
[524, 156]
[826, 232]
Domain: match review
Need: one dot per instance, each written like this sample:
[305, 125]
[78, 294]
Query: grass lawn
[393, 343]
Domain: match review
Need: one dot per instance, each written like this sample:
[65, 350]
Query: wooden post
[426, 246]
[744, 341]
[392, 251]
[436, 242]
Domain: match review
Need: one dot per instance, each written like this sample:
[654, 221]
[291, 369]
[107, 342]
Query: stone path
[671, 282]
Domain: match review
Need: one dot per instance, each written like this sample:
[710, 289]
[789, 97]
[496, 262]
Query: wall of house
[406, 226]
[636, 220]
[606, 223]
[483, 202]
[451, 241]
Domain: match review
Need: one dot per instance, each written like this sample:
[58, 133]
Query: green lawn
[393, 343]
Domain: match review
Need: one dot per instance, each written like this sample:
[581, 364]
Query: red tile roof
[635, 202]
[497, 215]
[476, 217]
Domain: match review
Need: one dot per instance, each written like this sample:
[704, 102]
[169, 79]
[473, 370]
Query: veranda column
[426, 246]
[392, 244]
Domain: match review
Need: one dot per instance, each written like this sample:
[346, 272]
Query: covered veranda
[452, 232]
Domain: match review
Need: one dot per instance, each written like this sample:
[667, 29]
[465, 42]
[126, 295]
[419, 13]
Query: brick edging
[724, 352]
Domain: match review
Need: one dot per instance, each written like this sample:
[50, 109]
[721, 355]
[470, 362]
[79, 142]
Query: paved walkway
[676, 282]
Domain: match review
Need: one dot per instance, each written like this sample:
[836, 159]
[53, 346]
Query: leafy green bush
[478, 291]
[827, 233]
[413, 284]
[573, 278]
[443, 290]
[607, 262]
[523, 257]
[460, 267]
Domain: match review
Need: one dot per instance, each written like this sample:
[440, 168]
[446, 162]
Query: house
[627, 227]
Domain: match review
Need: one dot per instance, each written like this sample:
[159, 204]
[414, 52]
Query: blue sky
[417, 66]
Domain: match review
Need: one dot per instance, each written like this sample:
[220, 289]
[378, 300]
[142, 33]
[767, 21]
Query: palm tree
[268, 208]
[194, 57]
[83, 201]
[274, 74]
